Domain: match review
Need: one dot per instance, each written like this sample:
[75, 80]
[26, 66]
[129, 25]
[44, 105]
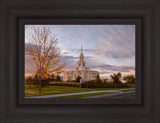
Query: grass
[132, 85]
[128, 90]
[86, 95]
[50, 90]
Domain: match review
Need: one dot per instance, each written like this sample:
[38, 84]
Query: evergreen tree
[98, 78]
[130, 79]
[116, 77]
[78, 78]
[58, 78]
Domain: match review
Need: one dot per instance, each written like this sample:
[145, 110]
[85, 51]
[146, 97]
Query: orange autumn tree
[42, 53]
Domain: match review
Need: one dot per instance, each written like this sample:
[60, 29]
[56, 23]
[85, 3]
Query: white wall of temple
[85, 75]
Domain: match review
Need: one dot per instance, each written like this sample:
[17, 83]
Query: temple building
[81, 70]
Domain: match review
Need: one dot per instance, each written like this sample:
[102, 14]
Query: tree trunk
[40, 83]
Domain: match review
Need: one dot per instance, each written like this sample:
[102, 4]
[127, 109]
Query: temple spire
[81, 62]
[81, 48]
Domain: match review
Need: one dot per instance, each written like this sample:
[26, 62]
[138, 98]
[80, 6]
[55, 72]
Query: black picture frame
[15, 13]
[138, 22]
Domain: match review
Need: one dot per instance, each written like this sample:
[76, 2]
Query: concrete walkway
[70, 94]
[108, 95]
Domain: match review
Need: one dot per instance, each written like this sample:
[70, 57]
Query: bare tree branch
[41, 54]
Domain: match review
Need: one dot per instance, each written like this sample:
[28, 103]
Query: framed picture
[88, 61]
[99, 66]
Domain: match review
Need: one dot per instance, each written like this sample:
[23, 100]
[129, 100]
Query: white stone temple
[84, 72]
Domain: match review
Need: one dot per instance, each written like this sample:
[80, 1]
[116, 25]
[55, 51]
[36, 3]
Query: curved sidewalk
[109, 95]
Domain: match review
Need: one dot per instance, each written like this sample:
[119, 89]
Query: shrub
[92, 84]
[58, 78]
[70, 84]
[44, 82]
[29, 80]
[130, 79]
[105, 80]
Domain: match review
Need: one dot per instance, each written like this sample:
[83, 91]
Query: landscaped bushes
[103, 85]
[71, 84]
[91, 84]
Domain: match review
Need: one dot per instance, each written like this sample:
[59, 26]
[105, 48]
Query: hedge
[71, 84]
[104, 85]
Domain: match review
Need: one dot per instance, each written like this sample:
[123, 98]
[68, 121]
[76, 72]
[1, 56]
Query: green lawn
[86, 95]
[34, 91]
[128, 90]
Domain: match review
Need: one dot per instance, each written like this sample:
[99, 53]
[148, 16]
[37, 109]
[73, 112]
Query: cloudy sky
[106, 48]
